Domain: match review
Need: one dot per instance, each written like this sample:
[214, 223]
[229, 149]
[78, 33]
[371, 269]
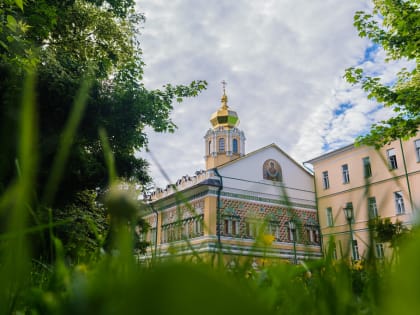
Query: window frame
[231, 225]
[345, 173]
[325, 180]
[355, 253]
[330, 217]
[312, 234]
[392, 159]
[222, 146]
[274, 230]
[292, 233]
[417, 149]
[367, 167]
[379, 250]
[235, 147]
[399, 203]
[251, 230]
[372, 211]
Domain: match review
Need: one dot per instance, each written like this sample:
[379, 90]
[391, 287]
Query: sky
[283, 61]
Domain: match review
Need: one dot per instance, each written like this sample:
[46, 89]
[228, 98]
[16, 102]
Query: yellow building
[259, 205]
[366, 183]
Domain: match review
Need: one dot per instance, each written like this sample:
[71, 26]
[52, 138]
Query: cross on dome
[224, 96]
[224, 117]
[224, 83]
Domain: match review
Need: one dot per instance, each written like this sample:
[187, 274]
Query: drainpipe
[218, 207]
[406, 177]
[321, 237]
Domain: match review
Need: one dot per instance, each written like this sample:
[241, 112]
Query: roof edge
[331, 153]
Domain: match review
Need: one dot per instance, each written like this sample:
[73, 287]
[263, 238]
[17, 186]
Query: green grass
[115, 283]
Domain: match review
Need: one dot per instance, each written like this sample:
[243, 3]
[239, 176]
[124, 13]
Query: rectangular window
[171, 233]
[399, 202]
[346, 175]
[179, 231]
[251, 229]
[228, 227]
[312, 235]
[355, 253]
[316, 236]
[367, 170]
[392, 159]
[186, 224]
[292, 234]
[235, 146]
[274, 230]
[330, 218]
[164, 235]
[325, 180]
[372, 208]
[221, 145]
[199, 226]
[309, 236]
[379, 250]
[417, 145]
[235, 225]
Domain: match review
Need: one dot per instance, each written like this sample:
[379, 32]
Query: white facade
[246, 174]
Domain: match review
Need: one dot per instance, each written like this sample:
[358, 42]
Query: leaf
[19, 3]
[11, 23]
[2, 44]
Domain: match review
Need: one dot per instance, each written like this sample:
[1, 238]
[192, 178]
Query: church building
[258, 205]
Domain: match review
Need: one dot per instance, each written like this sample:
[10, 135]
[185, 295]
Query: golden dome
[224, 117]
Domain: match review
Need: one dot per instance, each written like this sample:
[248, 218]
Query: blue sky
[284, 62]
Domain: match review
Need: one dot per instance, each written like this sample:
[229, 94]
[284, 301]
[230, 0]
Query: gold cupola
[224, 142]
[224, 117]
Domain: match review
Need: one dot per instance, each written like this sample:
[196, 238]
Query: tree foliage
[72, 38]
[395, 26]
[389, 232]
[82, 226]
[67, 42]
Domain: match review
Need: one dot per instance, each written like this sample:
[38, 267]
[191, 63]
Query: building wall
[214, 156]
[250, 236]
[254, 212]
[256, 218]
[383, 184]
[247, 175]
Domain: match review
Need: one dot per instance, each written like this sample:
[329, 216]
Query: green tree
[72, 38]
[395, 26]
[388, 232]
[67, 42]
[82, 226]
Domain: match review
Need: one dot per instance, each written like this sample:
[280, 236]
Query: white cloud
[284, 62]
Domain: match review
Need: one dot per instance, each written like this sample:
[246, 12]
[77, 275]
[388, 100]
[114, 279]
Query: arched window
[235, 146]
[209, 148]
[221, 144]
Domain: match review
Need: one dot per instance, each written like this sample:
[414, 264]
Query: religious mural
[272, 170]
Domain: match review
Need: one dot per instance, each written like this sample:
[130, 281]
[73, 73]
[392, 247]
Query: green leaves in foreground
[166, 289]
[395, 26]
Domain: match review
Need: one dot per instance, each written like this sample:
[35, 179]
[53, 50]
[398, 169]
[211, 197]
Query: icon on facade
[272, 170]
